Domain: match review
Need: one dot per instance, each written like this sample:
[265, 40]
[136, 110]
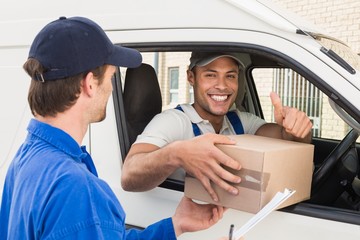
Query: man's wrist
[176, 226]
[173, 149]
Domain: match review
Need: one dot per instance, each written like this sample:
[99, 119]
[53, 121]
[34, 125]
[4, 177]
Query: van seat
[142, 98]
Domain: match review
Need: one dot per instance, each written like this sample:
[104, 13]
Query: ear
[88, 85]
[190, 77]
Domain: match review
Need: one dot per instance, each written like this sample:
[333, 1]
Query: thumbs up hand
[279, 113]
[294, 121]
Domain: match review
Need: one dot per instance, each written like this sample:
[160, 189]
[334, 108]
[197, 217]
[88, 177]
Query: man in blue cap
[52, 190]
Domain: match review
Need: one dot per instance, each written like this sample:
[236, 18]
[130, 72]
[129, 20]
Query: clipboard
[279, 198]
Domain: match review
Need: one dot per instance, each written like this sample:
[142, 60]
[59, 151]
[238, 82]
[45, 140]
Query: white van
[307, 68]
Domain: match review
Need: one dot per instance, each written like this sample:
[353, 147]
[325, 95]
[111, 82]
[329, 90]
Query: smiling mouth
[219, 98]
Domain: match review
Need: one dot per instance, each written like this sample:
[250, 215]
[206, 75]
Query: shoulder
[166, 127]
[171, 117]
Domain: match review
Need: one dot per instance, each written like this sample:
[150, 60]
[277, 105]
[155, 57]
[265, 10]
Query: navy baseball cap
[70, 46]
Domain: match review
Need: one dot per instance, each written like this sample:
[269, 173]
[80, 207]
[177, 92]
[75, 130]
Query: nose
[221, 82]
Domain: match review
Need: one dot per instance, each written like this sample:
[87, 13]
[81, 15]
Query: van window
[262, 75]
[295, 91]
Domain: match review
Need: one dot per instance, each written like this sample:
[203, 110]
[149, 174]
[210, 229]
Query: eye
[232, 76]
[210, 75]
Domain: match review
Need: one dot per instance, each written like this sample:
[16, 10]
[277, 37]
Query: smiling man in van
[185, 137]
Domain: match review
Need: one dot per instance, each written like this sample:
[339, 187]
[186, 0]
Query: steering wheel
[324, 171]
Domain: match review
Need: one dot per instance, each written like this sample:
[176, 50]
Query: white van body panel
[157, 21]
[144, 208]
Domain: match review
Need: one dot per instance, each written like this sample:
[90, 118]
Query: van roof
[259, 15]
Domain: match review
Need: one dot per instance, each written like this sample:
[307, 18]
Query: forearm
[290, 137]
[143, 171]
[274, 130]
[140, 176]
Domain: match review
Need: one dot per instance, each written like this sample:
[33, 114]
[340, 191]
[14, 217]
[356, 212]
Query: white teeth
[219, 98]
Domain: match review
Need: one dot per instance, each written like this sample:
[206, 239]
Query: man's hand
[202, 159]
[190, 216]
[294, 122]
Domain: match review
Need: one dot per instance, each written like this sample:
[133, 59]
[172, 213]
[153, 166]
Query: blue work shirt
[52, 191]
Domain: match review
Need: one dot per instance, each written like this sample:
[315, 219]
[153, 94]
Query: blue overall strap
[235, 122]
[195, 127]
[232, 116]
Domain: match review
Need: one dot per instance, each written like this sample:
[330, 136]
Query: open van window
[262, 74]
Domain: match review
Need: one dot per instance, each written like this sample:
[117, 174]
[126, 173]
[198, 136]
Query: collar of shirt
[63, 141]
[190, 111]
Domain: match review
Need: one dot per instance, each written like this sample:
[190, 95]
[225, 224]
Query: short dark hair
[51, 97]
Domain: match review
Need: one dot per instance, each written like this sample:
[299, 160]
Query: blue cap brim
[124, 57]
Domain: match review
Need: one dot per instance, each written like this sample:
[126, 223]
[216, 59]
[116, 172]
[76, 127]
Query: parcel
[268, 166]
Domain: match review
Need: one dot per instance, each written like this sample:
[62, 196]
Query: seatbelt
[232, 116]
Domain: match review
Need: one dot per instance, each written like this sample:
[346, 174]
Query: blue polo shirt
[52, 191]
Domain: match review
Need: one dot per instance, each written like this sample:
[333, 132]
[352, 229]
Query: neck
[217, 124]
[215, 120]
[69, 123]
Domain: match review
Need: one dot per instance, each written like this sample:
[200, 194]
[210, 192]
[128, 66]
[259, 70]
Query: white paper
[279, 198]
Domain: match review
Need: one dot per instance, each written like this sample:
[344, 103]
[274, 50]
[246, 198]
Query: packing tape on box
[253, 179]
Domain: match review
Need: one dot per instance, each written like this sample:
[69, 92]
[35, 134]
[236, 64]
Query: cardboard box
[268, 166]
